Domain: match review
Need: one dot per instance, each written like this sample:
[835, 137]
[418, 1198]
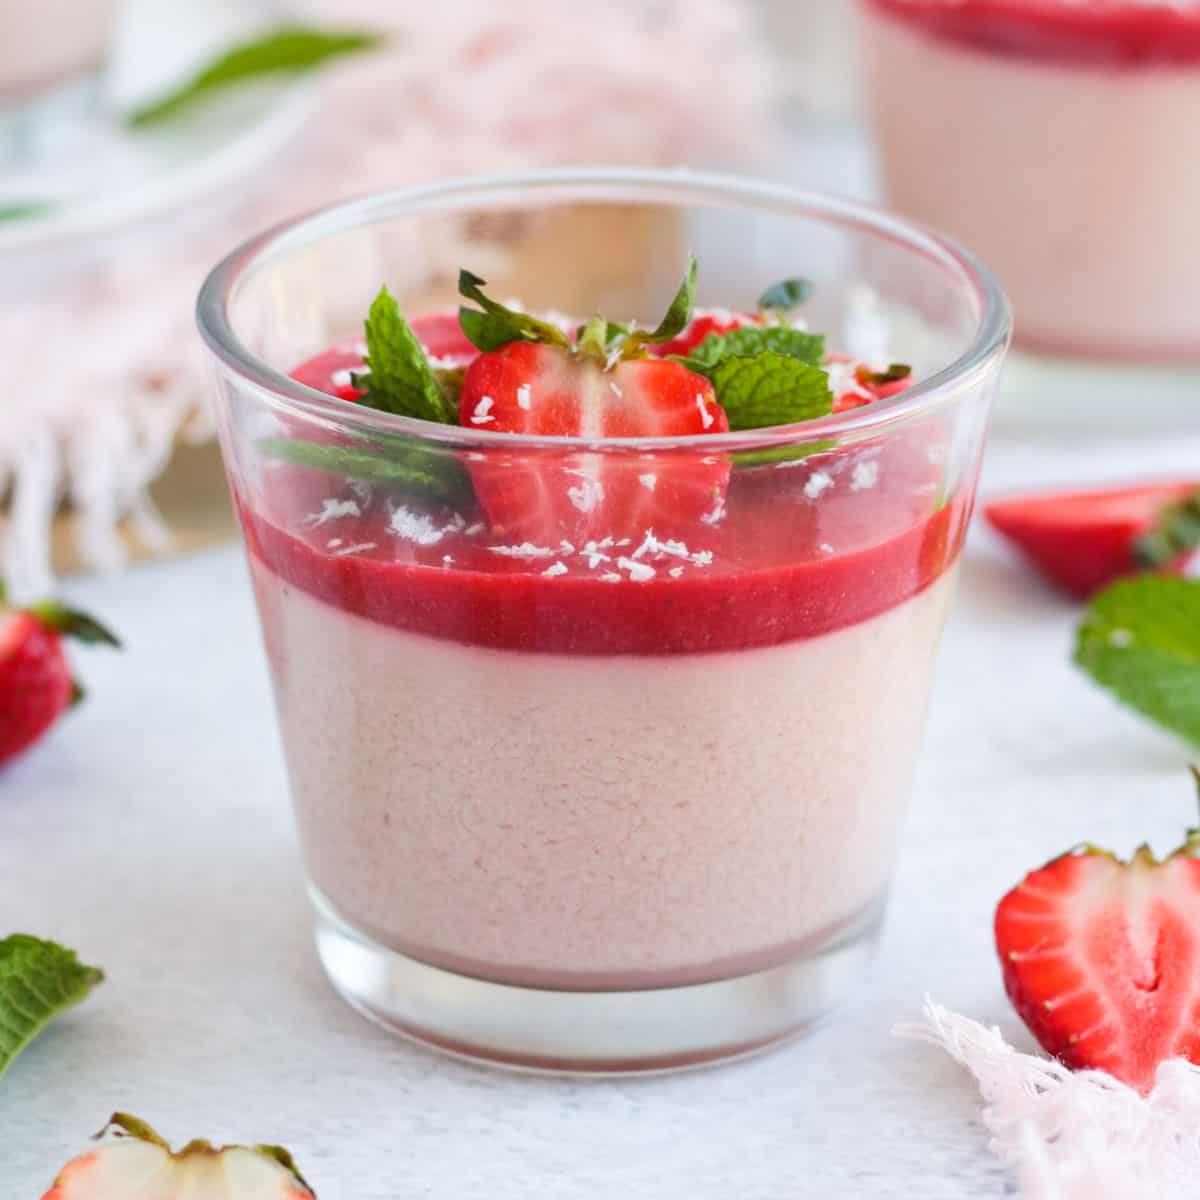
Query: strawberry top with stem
[1101, 958]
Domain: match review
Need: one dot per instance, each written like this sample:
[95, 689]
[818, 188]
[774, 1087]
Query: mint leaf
[1140, 638]
[497, 325]
[286, 50]
[1176, 531]
[751, 340]
[38, 981]
[406, 467]
[401, 380]
[770, 389]
[780, 454]
[785, 295]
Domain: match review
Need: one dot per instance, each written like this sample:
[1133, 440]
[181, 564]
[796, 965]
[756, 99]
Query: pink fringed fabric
[1077, 1135]
[103, 369]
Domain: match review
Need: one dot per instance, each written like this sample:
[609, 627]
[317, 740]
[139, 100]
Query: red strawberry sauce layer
[800, 550]
[1099, 32]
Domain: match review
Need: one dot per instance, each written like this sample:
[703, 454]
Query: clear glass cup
[627, 799]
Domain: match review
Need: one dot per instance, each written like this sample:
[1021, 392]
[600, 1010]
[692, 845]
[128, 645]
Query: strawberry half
[550, 390]
[1101, 958]
[138, 1165]
[36, 686]
[1085, 540]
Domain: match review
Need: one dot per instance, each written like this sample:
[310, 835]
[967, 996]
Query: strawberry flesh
[704, 325]
[1083, 541]
[1101, 959]
[542, 498]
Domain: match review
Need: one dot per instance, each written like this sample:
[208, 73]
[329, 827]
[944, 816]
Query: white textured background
[152, 833]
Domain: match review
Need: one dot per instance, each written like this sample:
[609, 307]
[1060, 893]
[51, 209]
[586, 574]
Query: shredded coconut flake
[333, 543]
[332, 510]
[415, 527]
[615, 388]
[702, 558]
[818, 481]
[523, 397]
[357, 548]
[345, 377]
[587, 495]
[718, 511]
[639, 572]
[524, 550]
[706, 417]
[483, 411]
[611, 577]
[558, 568]
[865, 475]
[675, 572]
[649, 481]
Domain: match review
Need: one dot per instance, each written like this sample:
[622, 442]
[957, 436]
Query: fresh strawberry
[704, 325]
[136, 1164]
[1101, 958]
[558, 391]
[36, 687]
[1085, 540]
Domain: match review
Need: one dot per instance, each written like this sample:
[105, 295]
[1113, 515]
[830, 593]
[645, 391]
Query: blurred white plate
[108, 176]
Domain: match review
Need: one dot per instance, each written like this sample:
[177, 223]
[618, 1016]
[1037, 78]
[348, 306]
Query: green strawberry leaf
[38, 982]
[754, 339]
[288, 50]
[401, 379]
[496, 326]
[785, 296]
[74, 624]
[1140, 638]
[1176, 531]
[678, 316]
[770, 389]
[894, 373]
[404, 466]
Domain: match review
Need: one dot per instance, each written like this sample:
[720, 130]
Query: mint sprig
[1176, 531]
[401, 379]
[770, 389]
[755, 339]
[1140, 639]
[493, 325]
[785, 296]
[288, 50]
[406, 466]
[38, 982]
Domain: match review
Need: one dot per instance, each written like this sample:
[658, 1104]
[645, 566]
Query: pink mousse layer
[598, 821]
[1074, 181]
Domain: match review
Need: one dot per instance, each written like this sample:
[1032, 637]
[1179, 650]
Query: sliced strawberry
[544, 497]
[36, 687]
[1101, 959]
[136, 1164]
[1085, 540]
[703, 325]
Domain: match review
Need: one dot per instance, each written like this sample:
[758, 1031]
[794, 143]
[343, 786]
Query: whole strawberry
[36, 686]
[1101, 958]
[136, 1164]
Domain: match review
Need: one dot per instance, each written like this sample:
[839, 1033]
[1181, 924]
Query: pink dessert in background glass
[601, 697]
[1053, 137]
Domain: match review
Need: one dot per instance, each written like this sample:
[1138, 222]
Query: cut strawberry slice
[1085, 540]
[544, 497]
[703, 325]
[1101, 958]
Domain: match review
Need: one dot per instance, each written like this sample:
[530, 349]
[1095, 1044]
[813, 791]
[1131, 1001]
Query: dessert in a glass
[1052, 137]
[601, 638]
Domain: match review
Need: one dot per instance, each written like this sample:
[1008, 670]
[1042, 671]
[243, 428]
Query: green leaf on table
[404, 467]
[755, 339]
[770, 389]
[401, 379]
[38, 982]
[288, 50]
[1140, 638]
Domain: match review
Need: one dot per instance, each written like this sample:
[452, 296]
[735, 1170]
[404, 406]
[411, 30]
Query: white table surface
[152, 832]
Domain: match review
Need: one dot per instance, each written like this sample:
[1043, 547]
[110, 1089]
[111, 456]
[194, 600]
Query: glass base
[593, 1032]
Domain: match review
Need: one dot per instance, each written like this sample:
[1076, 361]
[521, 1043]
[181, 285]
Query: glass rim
[991, 338]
